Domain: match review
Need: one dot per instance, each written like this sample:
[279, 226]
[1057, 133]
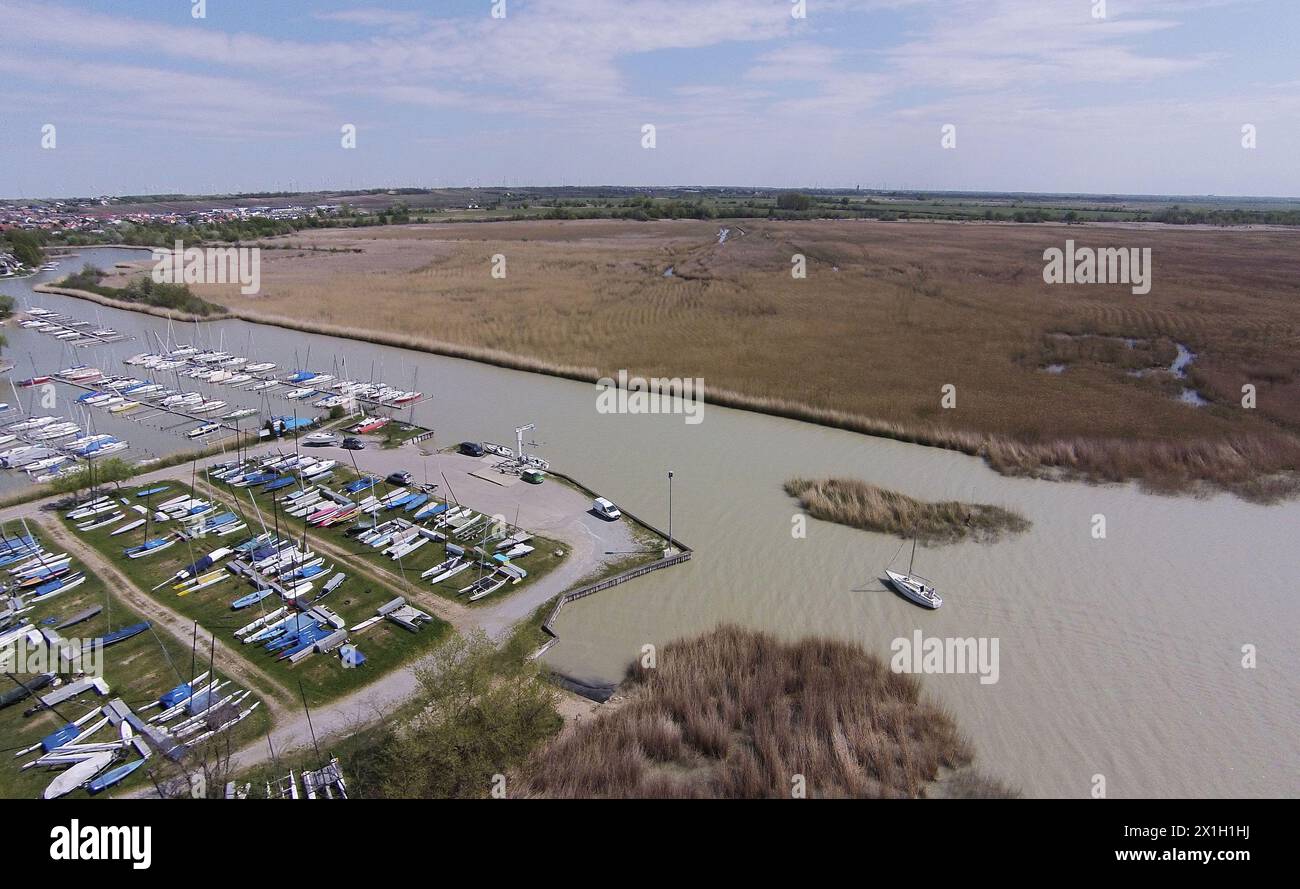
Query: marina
[178, 397]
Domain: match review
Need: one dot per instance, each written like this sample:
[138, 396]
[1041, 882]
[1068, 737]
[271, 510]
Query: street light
[670, 509]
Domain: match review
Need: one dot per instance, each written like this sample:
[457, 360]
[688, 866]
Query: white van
[606, 510]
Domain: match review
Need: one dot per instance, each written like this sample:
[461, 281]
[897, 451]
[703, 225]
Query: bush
[481, 715]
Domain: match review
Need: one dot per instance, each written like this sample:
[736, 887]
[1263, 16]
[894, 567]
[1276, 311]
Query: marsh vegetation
[739, 714]
[888, 315]
[870, 508]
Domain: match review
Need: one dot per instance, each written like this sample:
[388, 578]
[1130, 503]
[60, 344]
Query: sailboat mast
[912, 560]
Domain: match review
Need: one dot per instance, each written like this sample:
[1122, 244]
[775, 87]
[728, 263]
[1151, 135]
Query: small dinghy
[80, 617]
[250, 600]
[129, 526]
[78, 775]
[149, 547]
[114, 776]
[119, 635]
[62, 585]
[99, 523]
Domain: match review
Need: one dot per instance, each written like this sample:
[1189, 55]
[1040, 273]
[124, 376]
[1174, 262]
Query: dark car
[472, 449]
[353, 444]
[399, 478]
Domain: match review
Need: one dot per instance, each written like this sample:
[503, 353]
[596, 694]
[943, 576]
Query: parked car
[534, 477]
[353, 444]
[606, 510]
[399, 478]
[472, 449]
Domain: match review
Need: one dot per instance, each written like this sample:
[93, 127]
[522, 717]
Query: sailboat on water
[914, 586]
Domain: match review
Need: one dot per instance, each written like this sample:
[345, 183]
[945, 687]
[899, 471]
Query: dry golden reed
[860, 505]
[888, 314]
[739, 714]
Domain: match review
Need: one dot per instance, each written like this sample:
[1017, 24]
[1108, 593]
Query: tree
[100, 472]
[26, 247]
[793, 200]
[483, 713]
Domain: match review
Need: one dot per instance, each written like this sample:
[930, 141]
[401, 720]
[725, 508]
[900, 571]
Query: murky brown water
[1119, 657]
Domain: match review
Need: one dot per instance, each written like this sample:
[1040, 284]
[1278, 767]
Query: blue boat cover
[175, 696]
[351, 655]
[60, 737]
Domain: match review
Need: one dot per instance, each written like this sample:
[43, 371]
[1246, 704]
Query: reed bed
[861, 505]
[739, 714]
[888, 315]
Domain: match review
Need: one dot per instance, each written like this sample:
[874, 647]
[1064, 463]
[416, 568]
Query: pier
[69, 330]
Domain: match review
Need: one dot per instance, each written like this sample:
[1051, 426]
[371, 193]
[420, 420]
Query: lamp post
[670, 510]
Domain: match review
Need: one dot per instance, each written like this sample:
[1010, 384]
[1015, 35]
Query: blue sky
[1044, 95]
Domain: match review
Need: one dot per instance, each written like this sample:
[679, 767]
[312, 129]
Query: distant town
[101, 216]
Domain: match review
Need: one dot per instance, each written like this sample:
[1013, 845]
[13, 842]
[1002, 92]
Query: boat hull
[908, 588]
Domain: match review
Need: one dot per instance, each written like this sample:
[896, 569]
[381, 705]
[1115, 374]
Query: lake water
[1119, 656]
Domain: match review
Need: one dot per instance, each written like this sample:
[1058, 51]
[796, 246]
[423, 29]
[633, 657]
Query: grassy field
[137, 670]
[403, 574]
[860, 505]
[888, 315]
[385, 645]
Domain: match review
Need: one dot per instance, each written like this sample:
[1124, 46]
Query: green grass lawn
[137, 670]
[407, 572]
[385, 645]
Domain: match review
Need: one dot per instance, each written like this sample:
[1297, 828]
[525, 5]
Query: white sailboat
[914, 586]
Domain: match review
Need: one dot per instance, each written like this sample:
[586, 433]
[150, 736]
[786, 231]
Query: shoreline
[1172, 465]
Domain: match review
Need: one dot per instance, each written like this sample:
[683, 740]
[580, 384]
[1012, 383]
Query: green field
[137, 670]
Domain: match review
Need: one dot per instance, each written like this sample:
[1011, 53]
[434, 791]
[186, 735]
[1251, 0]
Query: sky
[1076, 96]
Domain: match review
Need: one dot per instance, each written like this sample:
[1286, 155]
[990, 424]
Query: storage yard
[313, 574]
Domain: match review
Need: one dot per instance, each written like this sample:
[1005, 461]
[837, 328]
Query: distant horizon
[959, 192]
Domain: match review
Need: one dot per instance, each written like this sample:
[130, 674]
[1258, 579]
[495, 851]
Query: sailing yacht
[914, 586]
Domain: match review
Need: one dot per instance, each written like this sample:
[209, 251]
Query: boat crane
[519, 440]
